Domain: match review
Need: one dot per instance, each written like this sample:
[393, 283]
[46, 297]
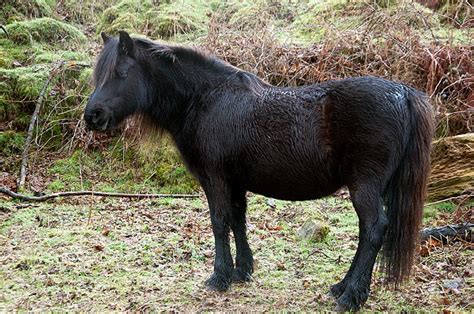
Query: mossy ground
[102, 255]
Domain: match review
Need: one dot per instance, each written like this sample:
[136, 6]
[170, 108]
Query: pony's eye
[121, 74]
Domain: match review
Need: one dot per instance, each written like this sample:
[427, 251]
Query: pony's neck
[180, 85]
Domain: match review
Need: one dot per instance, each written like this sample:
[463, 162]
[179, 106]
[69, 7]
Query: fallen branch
[463, 197]
[442, 234]
[42, 198]
[34, 117]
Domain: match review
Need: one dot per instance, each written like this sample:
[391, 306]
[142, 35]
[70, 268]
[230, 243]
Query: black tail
[405, 193]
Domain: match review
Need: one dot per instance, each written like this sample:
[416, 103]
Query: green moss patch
[45, 30]
[26, 81]
[129, 15]
[158, 20]
[182, 17]
[132, 169]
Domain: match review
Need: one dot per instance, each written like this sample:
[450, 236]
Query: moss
[85, 77]
[5, 94]
[45, 30]
[11, 53]
[123, 169]
[26, 81]
[57, 185]
[248, 14]
[150, 168]
[126, 15]
[84, 11]
[317, 20]
[308, 26]
[11, 142]
[163, 167]
[431, 212]
[67, 171]
[47, 56]
[179, 17]
[453, 35]
[163, 20]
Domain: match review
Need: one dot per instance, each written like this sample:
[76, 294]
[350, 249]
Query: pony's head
[120, 84]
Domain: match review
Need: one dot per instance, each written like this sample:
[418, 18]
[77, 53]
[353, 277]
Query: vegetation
[287, 43]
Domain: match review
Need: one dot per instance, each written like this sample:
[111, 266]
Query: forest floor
[97, 254]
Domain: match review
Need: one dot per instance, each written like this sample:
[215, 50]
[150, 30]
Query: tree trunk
[452, 167]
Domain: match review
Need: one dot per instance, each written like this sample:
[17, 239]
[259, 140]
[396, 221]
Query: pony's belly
[290, 189]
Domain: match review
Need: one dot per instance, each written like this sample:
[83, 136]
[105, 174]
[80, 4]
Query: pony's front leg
[220, 209]
[243, 260]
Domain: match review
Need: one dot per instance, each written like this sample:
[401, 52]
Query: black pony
[236, 133]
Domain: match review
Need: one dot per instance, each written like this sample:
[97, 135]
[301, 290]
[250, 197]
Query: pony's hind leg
[337, 289]
[243, 260]
[353, 290]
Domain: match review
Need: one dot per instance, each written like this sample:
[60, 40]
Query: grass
[89, 255]
[432, 212]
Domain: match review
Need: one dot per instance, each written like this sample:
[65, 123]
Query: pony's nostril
[96, 115]
[97, 112]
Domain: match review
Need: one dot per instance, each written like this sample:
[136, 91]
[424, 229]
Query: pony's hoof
[240, 275]
[346, 306]
[217, 283]
[351, 300]
[337, 290]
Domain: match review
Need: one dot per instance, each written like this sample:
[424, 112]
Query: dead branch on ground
[42, 198]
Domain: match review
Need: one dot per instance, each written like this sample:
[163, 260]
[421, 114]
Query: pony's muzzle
[98, 119]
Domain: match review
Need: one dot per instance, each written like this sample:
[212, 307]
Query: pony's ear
[126, 45]
[105, 37]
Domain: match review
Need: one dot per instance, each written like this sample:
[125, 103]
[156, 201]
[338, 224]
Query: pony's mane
[106, 64]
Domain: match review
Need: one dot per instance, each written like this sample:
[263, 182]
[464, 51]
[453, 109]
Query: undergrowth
[284, 42]
[148, 168]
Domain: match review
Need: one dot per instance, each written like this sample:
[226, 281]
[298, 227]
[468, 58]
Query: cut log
[452, 167]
